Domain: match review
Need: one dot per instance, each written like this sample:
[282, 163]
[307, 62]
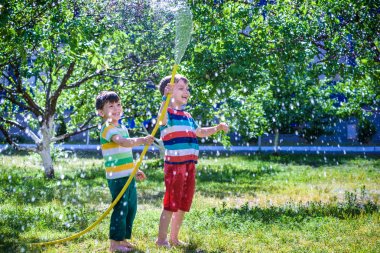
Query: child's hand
[140, 175]
[168, 89]
[148, 139]
[223, 127]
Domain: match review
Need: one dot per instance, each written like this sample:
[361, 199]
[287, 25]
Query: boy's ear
[100, 113]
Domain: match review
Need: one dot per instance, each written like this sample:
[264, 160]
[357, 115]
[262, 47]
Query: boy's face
[181, 93]
[111, 111]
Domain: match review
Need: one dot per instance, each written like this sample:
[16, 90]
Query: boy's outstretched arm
[207, 131]
[132, 142]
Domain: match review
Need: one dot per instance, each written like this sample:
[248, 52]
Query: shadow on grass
[313, 160]
[212, 181]
[231, 179]
[16, 222]
[294, 213]
[229, 172]
[220, 179]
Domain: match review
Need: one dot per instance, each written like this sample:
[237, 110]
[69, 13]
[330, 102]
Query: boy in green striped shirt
[116, 147]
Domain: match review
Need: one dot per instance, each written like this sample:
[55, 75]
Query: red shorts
[180, 186]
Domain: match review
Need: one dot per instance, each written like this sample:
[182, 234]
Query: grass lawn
[261, 203]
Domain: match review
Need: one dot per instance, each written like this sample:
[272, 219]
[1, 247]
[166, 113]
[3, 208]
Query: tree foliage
[293, 57]
[58, 55]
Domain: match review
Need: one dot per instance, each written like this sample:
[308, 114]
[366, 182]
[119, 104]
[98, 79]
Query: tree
[349, 38]
[56, 56]
[287, 55]
[263, 53]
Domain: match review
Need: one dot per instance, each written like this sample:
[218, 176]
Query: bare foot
[164, 244]
[127, 244]
[178, 243]
[120, 248]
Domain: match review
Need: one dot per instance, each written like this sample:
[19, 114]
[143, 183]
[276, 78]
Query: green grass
[265, 203]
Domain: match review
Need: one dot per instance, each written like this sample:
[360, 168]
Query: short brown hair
[166, 80]
[104, 97]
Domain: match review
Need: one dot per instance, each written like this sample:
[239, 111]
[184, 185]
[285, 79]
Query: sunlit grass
[243, 204]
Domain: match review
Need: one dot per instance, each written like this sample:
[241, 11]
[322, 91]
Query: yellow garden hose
[93, 225]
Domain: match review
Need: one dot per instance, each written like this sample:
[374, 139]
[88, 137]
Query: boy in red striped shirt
[179, 133]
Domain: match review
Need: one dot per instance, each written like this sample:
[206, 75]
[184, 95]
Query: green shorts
[124, 211]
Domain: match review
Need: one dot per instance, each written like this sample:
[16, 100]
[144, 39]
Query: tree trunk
[44, 148]
[277, 134]
[47, 162]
